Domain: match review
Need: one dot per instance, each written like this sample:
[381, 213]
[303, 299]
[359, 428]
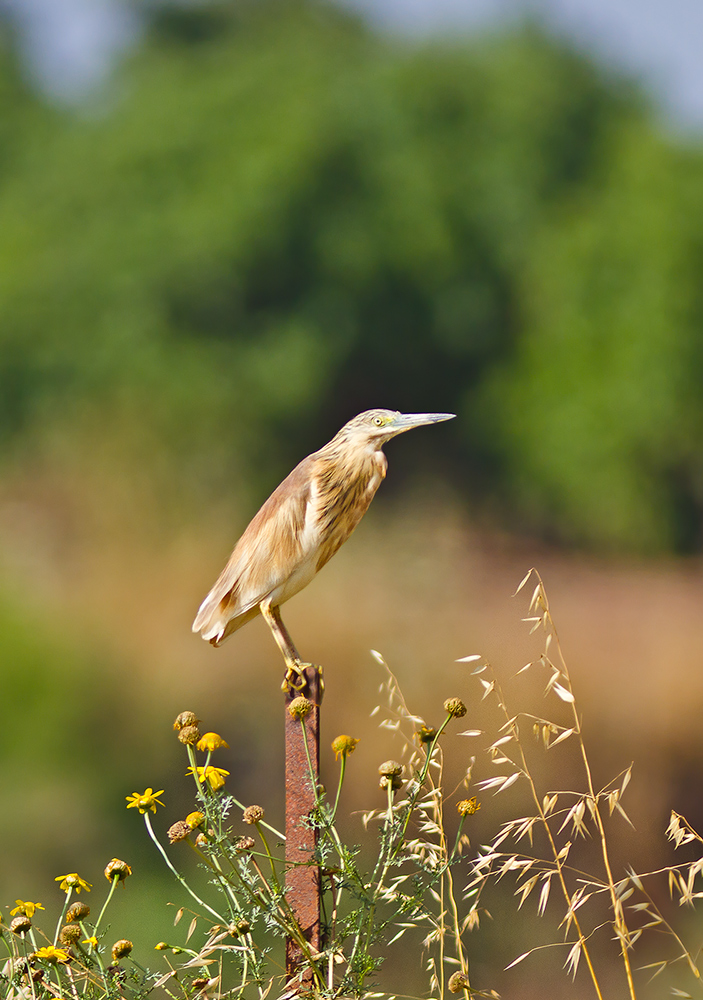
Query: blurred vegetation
[275, 218]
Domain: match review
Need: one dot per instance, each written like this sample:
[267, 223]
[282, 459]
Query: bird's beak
[406, 421]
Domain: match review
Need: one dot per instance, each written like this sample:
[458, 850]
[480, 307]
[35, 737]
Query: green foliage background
[274, 219]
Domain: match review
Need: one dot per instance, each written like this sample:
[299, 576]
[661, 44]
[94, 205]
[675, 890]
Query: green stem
[115, 880]
[180, 878]
[342, 769]
[63, 914]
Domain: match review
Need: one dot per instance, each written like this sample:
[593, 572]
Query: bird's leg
[295, 678]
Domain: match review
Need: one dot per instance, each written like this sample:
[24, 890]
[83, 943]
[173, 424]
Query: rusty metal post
[302, 874]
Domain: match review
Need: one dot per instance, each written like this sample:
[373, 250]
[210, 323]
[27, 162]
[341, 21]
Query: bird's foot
[297, 679]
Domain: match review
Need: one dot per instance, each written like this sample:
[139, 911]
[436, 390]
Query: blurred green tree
[276, 219]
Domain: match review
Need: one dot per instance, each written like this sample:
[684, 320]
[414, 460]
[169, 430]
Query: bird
[300, 527]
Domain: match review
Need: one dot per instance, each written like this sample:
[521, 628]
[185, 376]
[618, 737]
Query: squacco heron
[300, 527]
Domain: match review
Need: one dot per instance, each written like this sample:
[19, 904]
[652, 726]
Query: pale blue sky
[71, 43]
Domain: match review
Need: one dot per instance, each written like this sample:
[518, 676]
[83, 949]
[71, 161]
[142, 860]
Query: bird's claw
[296, 680]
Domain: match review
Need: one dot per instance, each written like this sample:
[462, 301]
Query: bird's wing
[264, 557]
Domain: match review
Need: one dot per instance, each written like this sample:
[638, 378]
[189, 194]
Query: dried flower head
[195, 819]
[20, 925]
[211, 741]
[390, 769]
[458, 981]
[26, 908]
[117, 869]
[467, 807]
[52, 954]
[300, 707]
[455, 707]
[121, 949]
[72, 882]
[148, 799]
[189, 735]
[179, 831]
[77, 911]
[70, 934]
[185, 719]
[202, 840]
[244, 844]
[343, 746]
[253, 814]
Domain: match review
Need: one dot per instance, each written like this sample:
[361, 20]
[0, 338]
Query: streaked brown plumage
[301, 526]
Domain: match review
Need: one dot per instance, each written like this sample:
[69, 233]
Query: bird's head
[375, 427]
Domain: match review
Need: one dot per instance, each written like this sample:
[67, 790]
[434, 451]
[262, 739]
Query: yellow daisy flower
[73, 881]
[51, 954]
[215, 776]
[149, 799]
[211, 741]
[28, 909]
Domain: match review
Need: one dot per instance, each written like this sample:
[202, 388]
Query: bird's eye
[378, 421]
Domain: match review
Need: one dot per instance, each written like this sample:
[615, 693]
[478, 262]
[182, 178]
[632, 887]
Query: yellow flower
[343, 746]
[211, 741]
[51, 954]
[92, 942]
[215, 776]
[467, 807]
[148, 799]
[27, 909]
[195, 819]
[72, 881]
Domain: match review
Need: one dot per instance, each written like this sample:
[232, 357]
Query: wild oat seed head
[179, 831]
[117, 869]
[121, 949]
[458, 981]
[210, 742]
[77, 911]
[253, 814]
[70, 934]
[467, 807]
[390, 769]
[186, 719]
[189, 735]
[20, 925]
[343, 746]
[299, 708]
[195, 819]
[455, 707]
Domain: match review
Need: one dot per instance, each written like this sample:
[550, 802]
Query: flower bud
[426, 734]
[253, 814]
[195, 819]
[458, 981]
[161, 946]
[202, 840]
[455, 707]
[239, 928]
[390, 769]
[117, 869]
[121, 949]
